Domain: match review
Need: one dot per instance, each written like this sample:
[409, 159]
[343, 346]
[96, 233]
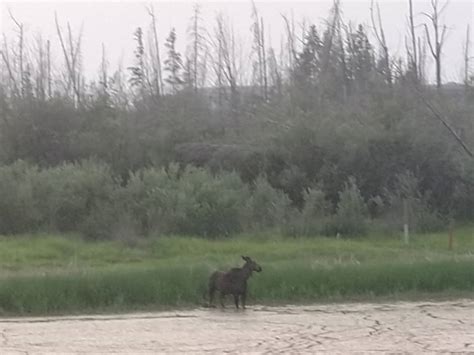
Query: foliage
[336, 106]
[174, 63]
[351, 214]
[266, 207]
[420, 216]
[17, 210]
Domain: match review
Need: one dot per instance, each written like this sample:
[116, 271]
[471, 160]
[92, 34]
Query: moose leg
[242, 299]
[222, 299]
[236, 300]
[211, 295]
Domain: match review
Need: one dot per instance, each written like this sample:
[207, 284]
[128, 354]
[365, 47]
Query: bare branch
[428, 15]
[69, 64]
[440, 117]
[156, 68]
[6, 60]
[413, 40]
[374, 26]
[20, 51]
[443, 34]
[10, 72]
[429, 41]
[291, 41]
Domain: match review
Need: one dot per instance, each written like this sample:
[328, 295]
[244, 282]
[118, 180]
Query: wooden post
[406, 232]
[451, 236]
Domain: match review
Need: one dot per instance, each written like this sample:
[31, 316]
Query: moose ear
[246, 258]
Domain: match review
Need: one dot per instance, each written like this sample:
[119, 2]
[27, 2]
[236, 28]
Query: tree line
[331, 115]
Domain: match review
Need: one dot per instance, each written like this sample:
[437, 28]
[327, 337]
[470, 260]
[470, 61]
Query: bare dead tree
[344, 66]
[156, 62]
[224, 62]
[48, 60]
[259, 49]
[20, 54]
[256, 47]
[436, 40]
[422, 54]
[41, 78]
[13, 84]
[104, 82]
[75, 52]
[290, 42]
[443, 119]
[225, 41]
[467, 59]
[275, 76]
[196, 44]
[380, 36]
[197, 49]
[413, 52]
[264, 61]
[71, 53]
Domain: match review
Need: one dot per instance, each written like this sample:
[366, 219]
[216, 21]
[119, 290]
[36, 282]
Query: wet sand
[404, 327]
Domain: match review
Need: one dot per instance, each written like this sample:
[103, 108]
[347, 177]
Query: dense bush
[314, 219]
[18, 212]
[87, 197]
[338, 107]
[266, 207]
[188, 202]
[71, 197]
[405, 198]
[351, 214]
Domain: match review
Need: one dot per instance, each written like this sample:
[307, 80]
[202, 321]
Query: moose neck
[246, 271]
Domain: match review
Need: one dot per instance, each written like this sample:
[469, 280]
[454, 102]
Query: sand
[405, 327]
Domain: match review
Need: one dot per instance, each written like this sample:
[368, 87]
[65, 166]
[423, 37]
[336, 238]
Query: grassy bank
[57, 274]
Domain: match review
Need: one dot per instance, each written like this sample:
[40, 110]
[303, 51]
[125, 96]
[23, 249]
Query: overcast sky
[113, 23]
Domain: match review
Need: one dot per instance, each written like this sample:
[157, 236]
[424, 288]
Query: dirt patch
[336, 328]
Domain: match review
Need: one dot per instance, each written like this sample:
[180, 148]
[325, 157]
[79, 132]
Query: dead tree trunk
[380, 35]
[158, 79]
[414, 54]
[467, 59]
[437, 38]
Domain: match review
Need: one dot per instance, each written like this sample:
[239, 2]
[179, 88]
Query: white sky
[113, 23]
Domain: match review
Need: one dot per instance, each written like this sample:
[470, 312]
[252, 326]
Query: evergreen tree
[307, 65]
[197, 50]
[138, 71]
[360, 57]
[173, 64]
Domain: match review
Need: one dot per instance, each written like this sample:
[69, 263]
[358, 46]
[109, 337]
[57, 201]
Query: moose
[232, 282]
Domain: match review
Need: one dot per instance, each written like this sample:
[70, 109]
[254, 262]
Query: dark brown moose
[232, 282]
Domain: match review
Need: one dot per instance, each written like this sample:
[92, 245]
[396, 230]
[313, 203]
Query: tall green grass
[178, 286]
[57, 274]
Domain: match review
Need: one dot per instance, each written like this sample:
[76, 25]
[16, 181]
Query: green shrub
[421, 217]
[463, 194]
[266, 207]
[351, 214]
[150, 197]
[209, 205]
[313, 219]
[87, 197]
[315, 212]
[189, 202]
[81, 198]
[18, 212]
[70, 197]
